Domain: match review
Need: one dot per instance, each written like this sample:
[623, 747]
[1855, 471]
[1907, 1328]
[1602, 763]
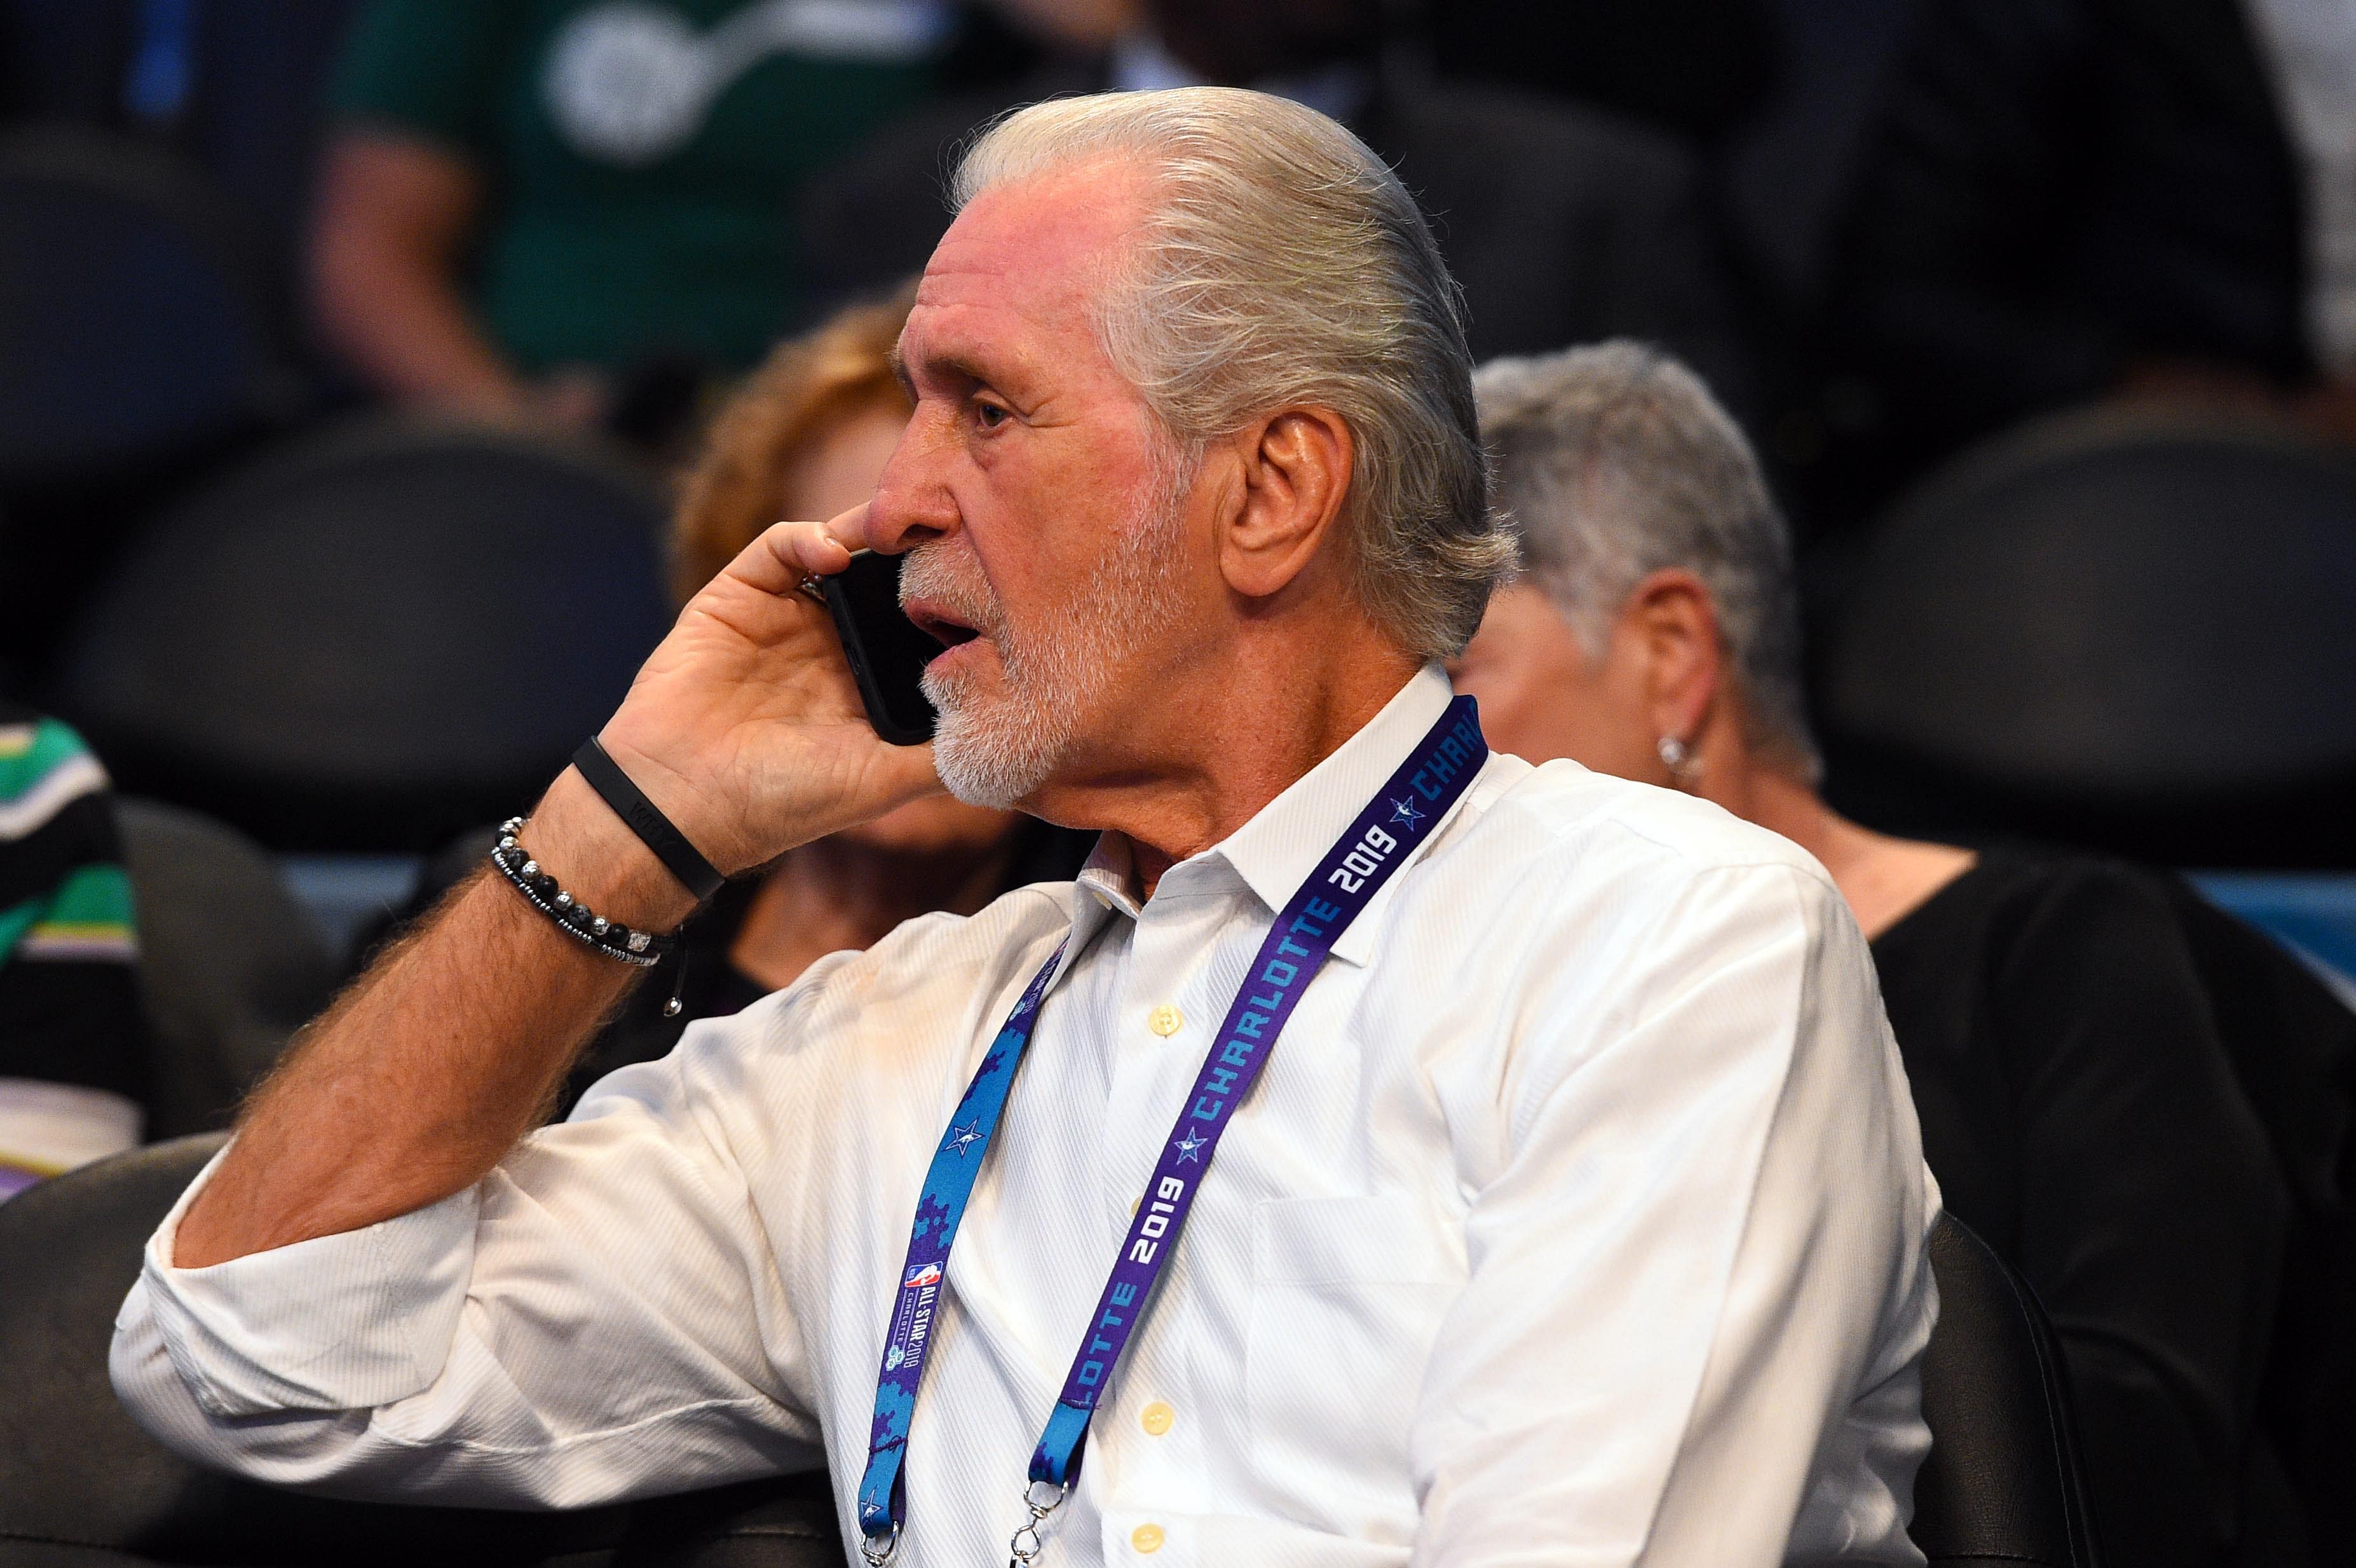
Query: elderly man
[1569, 1205]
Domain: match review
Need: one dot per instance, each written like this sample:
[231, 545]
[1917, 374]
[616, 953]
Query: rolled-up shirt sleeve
[1696, 1268]
[599, 1318]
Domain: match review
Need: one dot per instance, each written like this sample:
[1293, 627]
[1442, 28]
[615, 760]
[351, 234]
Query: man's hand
[746, 727]
[746, 730]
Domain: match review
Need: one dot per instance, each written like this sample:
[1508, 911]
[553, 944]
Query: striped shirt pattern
[69, 1022]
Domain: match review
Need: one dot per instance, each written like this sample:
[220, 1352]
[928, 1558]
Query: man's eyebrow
[953, 366]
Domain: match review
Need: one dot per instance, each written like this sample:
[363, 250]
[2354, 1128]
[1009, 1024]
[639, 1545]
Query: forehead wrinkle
[1057, 233]
[1011, 297]
[942, 346]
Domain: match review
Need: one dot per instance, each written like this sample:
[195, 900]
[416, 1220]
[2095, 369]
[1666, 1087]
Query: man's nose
[913, 504]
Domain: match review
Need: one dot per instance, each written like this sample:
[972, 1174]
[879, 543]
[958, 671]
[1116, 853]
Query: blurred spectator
[574, 209]
[1562, 223]
[1696, 68]
[71, 1025]
[233, 85]
[2078, 1101]
[807, 436]
[1073, 26]
[2067, 198]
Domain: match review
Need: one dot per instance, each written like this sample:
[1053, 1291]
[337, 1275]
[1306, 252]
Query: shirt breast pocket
[1347, 1296]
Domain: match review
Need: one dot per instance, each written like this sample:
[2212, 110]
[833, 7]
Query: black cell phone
[888, 651]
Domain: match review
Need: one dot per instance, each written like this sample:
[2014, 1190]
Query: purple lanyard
[1375, 846]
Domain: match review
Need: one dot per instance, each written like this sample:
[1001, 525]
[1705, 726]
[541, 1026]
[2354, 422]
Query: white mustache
[954, 581]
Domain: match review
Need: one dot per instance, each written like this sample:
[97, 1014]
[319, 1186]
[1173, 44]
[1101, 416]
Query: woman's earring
[1678, 758]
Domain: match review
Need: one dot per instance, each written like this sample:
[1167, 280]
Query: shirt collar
[1275, 852]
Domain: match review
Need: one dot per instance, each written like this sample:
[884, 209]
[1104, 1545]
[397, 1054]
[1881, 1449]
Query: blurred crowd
[1881, 231]
[1950, 468]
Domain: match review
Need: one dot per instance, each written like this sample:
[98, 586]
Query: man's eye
[990, 415]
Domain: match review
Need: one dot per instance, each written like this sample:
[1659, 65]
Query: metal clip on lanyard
[1376, 844]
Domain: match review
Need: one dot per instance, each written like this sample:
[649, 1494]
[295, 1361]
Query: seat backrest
[259, 106]
[2128, 630]
[62, 60]
[2004, 1481]
[1788, 167]
[134, 321]
[376, 638]
[229, 965]
[81, 1485]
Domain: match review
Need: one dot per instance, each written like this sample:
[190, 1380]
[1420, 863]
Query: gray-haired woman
[2078, 1103]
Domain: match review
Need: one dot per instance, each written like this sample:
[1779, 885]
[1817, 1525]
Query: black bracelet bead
[641, 949]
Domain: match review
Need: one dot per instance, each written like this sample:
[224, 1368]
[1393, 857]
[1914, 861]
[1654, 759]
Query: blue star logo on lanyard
[1405, 811]
[960, 1139]
[1190, 1148]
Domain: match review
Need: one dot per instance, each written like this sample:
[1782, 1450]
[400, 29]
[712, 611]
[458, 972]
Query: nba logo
[929, 1274]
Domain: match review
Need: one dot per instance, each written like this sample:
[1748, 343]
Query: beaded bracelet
[641, 950]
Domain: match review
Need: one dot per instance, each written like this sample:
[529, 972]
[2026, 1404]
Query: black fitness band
[684, 861]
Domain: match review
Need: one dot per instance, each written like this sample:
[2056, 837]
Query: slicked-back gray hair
[1284, 263]
[1614, 462]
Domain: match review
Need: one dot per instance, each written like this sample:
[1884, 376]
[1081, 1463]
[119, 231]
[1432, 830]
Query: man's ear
[1674, 621]
[1294, 466]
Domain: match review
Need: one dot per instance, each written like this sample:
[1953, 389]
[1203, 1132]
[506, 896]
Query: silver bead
[507, 842]
[601, 925]
[638, 941]
[531, 868]
[564, 899]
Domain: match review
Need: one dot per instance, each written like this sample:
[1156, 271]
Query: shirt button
[1147, 1538]
[1156, 1418]
[1165, 1020]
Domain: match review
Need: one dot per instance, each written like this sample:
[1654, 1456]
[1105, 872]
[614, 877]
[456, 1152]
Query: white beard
[997, 749]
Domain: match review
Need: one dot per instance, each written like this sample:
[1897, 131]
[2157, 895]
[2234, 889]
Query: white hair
[1614, 462]
[1284, 264]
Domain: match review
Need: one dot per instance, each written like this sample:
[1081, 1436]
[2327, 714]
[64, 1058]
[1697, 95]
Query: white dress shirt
[1577, 1217]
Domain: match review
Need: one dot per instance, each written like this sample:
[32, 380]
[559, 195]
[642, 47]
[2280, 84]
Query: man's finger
[845, 529]
[820, 548]
[849, 529]
[788, 551]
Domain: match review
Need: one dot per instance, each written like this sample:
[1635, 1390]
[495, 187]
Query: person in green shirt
[527, 202]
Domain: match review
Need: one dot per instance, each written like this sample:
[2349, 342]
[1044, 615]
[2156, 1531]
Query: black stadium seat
[134, 326]
[376, 638]
[2130, 629]
[139, 345]
[2004, 1482]
[81, 1487]
[229, 965]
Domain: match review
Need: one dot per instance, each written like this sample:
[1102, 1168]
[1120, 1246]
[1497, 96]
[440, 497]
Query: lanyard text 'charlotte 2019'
[1376, 844]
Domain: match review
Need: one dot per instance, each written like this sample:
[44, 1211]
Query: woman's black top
[2082, 1112]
